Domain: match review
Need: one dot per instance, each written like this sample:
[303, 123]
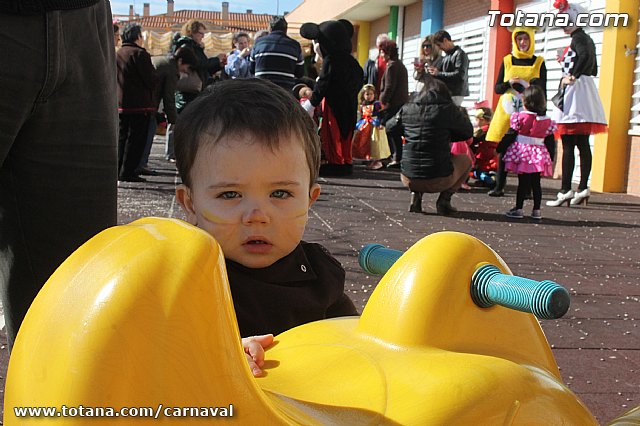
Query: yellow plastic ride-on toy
[141, 317]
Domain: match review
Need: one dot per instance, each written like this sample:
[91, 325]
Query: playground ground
[593, 250]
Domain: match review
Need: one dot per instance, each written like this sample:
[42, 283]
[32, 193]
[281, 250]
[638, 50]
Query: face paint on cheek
[216, 220]
[300, 218]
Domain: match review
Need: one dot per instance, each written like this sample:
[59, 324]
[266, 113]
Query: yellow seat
[142, 316]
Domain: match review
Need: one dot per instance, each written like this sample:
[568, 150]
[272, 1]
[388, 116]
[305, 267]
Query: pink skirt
[462, 148]
[527, 158]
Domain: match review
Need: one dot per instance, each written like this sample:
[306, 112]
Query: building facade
[616, 155]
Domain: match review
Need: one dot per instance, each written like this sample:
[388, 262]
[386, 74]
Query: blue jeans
[169, 153]
[58, 130]
[151, 132]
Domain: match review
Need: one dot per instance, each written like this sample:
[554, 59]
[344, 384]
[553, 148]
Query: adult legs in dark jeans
[569, 142]
[394, 135]
[396, 140]
[151, 132]
[132, 140]
[58, 164]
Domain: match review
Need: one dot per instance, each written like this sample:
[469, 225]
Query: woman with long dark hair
[429, 122]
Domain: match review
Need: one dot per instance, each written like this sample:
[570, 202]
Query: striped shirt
[278, 58]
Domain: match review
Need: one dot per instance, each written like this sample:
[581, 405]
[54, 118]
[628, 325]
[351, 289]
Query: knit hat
[278, 23]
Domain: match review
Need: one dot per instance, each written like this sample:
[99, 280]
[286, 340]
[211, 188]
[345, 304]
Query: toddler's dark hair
[251, 108]
[534, 99]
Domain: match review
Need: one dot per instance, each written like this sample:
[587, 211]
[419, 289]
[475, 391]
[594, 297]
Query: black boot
[443, 205]
[416, 202]
[501, 180]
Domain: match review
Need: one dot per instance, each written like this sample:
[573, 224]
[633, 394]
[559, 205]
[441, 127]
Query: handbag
[558, 98]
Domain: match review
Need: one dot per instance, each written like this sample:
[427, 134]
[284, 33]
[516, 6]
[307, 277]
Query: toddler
[369, 142]
[525, 152]
[486, 160]
[248, 156]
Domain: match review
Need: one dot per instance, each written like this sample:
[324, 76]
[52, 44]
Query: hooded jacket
[430, 122]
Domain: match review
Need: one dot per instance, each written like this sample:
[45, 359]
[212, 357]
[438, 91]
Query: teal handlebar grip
[376, 259]
[489, 286]
[544, 299]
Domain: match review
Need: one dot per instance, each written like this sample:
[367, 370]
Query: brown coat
[136, 79]
[394, 90]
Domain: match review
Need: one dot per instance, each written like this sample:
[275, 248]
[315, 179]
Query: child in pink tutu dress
[525, 152]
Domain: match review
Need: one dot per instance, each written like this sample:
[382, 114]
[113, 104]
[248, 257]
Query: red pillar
[499, 46]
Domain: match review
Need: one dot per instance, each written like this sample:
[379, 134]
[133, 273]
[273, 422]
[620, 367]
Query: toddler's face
[254, 201]
[369, 96]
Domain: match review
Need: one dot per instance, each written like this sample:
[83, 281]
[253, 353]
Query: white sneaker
[515, 213]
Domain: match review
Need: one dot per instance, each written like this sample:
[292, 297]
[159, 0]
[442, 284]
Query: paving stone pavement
[593, 250]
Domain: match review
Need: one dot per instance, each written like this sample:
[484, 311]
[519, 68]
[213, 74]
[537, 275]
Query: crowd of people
[160, 87]
[435, 146]
[369, 113]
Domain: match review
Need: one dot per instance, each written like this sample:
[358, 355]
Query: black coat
[339, 82]
[430, 123]
[585, 62]
[454, 71]
[306, 285]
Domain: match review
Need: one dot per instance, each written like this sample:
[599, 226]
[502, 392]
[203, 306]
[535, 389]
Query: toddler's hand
[254, 347]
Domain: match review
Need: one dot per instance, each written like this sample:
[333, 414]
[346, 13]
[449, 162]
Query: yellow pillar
[364, 30]
[615, 88]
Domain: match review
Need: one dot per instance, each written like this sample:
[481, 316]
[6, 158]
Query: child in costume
[369, 141]
[485, 163]
[525, 152]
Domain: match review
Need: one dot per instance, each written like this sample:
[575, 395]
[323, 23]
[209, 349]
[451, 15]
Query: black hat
[278, 23]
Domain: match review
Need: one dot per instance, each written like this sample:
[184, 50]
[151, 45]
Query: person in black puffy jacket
[429, 122]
